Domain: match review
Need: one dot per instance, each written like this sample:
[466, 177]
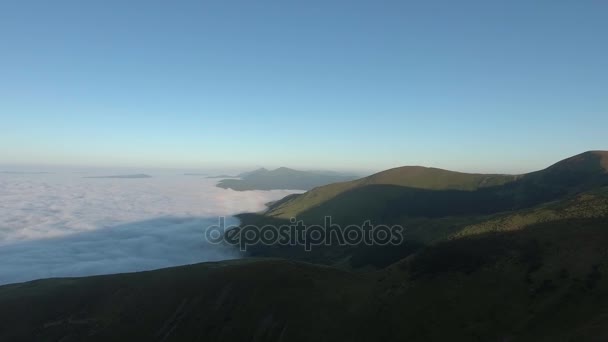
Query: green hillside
[427, 192]
[402, 196]
[415, 177]
[546, 282]
[588, 205]
[486, 258]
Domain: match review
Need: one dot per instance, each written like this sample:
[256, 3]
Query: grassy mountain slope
[431, 215]
[422, 232]
[592, 204]
[416, 191]
[282, 178]
[415, 177]
[505, 259]
[231, 301]
[544, 282]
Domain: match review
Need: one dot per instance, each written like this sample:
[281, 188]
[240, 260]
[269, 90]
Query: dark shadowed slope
[230, 301]
[421, 231]
[545, 282]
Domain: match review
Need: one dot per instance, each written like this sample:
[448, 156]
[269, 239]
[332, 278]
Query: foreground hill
[545, 282]
[282, 178]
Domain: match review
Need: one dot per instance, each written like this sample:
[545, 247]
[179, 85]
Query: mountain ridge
[528, 274]
[281, 178]
[585, 169]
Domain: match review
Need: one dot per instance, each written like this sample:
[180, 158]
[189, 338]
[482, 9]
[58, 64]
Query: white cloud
[56, 225]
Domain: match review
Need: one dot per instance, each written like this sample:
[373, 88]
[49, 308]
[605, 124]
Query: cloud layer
[56, 225]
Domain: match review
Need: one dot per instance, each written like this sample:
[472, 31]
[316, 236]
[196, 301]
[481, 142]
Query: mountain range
[486, 258]
[282, 178]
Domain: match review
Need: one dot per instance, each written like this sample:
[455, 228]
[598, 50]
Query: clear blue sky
[468, 85]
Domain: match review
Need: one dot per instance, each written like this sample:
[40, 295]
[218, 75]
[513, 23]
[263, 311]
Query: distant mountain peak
[282, 178]
[283, 168]
[589, 162]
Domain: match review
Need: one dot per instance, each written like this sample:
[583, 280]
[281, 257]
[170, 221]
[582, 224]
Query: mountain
[431, 204]
[407, 177]
[254, 172]
[282, 178]
[546, 282]
[430, 192]
[222, 176]
[527, 263]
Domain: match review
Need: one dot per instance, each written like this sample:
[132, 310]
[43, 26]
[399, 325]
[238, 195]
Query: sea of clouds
[64, 225]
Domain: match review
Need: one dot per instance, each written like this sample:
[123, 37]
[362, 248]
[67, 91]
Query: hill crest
[571, 175]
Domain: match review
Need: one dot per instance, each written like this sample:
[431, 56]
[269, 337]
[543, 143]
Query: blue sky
[489, 86]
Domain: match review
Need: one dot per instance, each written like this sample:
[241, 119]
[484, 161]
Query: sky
[482, 86]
